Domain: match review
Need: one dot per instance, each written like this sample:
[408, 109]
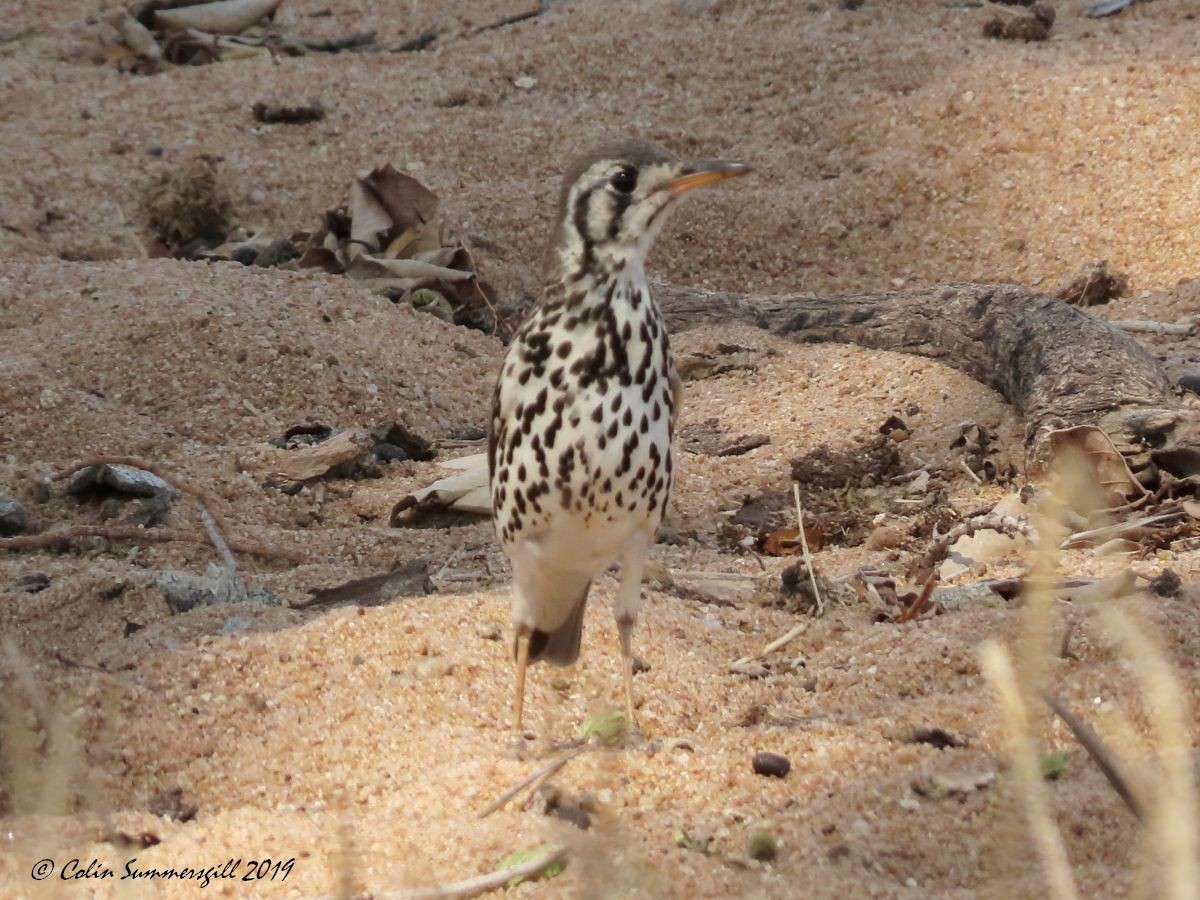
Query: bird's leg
[625, 633]
[629, 601]
[522, 653]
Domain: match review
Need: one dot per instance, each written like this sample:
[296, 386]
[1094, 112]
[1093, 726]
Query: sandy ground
[892, 144]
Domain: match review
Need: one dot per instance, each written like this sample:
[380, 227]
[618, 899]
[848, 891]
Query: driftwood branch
[1056, 364]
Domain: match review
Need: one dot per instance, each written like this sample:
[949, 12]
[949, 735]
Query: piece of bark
[411, 579]
[1058, 365]
[313, 462]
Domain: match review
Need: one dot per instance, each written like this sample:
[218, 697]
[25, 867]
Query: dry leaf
[786, 541]
[222, 17]
[466, 492]
[139, 39]
[1108, 466]
[365, 266]
[385, 203]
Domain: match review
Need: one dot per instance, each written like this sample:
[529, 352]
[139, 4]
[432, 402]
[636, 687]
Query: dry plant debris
[155, 35]
[388, 236]
[288, 113]
[1091, 285]
[188, 206]
[1033, 27]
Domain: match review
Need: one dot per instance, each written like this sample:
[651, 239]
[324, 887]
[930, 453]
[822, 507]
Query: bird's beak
[707, 171]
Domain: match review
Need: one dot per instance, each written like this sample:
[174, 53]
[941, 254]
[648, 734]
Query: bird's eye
[625, 181]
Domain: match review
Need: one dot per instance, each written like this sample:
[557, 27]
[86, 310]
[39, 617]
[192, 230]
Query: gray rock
[185, 590]
[14, 519]
[121, 480]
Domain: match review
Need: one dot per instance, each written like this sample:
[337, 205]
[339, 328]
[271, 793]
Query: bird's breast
[581, 445]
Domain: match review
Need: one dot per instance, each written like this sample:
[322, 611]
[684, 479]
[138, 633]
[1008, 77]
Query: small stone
[575, 815]
[433, 667]
[762, 847]
[525, 82]
[33, 583]
[171, 805]
[14, 519]
[489, 631]
[771, 764]
[184, 591]
[939, 786]
[838, 851]
[750, 669]
[234, 624]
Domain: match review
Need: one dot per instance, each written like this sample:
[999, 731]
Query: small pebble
[771, 764]
[34, 583]
[14, 519]
[489, 631]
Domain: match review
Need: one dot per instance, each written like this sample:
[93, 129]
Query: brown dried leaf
[385, 203]
[786, 541]
[1108, 466]
[322, 258]
[419, 240]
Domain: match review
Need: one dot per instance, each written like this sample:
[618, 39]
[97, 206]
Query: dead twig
[512, 20]
[975, 478]
[921, 604]
[1149, 326]
[775, 644]
[532, 780]
[466, 245]
[1104, 758]
[64, 537]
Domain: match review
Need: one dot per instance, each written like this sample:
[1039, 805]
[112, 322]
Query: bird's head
[614, 200]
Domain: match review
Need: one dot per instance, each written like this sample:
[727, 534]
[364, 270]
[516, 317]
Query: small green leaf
[521, 856]
[1053, 764]
[608, 727]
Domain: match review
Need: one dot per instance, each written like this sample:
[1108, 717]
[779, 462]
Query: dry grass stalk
[1172, 816]
[481, 884]
[784, 638]
[532, 782]
[998, 668]
[808, 560]
[1101, 755]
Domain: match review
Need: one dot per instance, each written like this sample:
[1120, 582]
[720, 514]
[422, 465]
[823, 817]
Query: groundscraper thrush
[580, 453]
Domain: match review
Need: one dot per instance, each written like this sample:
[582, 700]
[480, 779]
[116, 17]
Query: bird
[580, 445]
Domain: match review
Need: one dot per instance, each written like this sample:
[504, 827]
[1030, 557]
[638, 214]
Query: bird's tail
[561, 645]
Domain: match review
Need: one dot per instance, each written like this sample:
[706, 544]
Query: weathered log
[1056, 364]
